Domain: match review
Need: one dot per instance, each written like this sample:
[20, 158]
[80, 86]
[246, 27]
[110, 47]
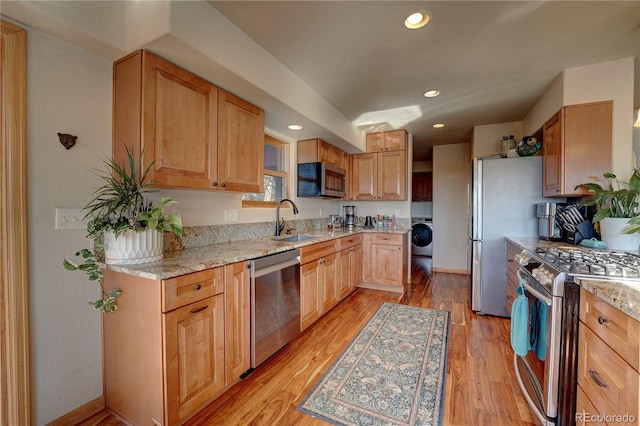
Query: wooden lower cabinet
[309, 296]
[385, 263]
[329, 272]
[237, 325]
[327, 282]
[174, 345]
[512, 277]
[195, 350]
[608, 363]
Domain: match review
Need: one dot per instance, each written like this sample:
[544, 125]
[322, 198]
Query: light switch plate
[70, 219]
[231, 215]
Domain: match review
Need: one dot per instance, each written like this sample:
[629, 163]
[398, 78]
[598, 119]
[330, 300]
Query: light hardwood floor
[481, 387]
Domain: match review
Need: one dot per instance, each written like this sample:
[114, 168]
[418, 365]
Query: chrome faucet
[280, 225]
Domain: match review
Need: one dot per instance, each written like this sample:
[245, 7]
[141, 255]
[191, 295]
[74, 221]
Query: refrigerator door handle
[475, 218]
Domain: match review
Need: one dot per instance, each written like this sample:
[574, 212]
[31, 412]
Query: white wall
[68, 91]
[451, 168]
[592, 83]
[487, 139]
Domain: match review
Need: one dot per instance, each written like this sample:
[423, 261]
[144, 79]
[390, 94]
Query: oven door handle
[547, 300]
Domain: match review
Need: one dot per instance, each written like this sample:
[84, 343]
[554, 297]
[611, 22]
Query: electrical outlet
[70, 219]
[396, 213]
[320, 212]
[231, 215]
[378, 212]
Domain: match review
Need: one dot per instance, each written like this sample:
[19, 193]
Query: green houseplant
[618, 209]
[119, 210]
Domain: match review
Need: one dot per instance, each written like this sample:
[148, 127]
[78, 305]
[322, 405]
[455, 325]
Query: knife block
[584, 231]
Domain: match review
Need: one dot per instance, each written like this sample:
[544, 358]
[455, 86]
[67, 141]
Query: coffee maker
[349, 216]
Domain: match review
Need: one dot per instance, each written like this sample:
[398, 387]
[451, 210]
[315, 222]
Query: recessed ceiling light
[417, 19]
[438, 125]
[294, 127]
[431, 93]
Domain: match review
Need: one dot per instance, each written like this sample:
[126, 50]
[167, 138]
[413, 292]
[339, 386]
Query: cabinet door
[324, 152]
[375, 142]
[392, 175]
[395, 140]
[177, 122]
[194, 345]
[344, 278]
[237, 317]
[422, 187]
[552, 152]
[355, 260]
[365, 180]
[587, 144]
[328, 281]
[386, 262]
[309, 293]
[240, 145]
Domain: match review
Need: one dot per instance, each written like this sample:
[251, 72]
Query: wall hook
[67, 140]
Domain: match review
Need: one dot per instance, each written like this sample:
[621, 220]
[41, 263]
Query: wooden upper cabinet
[577, 148]
[317, 150]
[395, 140]
[195, 135]
[381, 176]
[168, 114]
[240, 145]
[422, 186]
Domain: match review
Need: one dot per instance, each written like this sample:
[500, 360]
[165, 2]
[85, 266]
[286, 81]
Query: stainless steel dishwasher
[275, 303]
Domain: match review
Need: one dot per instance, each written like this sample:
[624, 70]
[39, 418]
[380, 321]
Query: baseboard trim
[450, 271]
[82, 413]
[391, 288]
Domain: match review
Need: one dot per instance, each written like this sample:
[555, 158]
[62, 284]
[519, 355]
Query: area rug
[393, 373]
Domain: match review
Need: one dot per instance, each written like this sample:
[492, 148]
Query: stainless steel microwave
[321, 180]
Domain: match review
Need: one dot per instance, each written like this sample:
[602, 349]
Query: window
[276, 177]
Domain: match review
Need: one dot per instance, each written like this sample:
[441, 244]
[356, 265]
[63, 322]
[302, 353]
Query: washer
[422, 237]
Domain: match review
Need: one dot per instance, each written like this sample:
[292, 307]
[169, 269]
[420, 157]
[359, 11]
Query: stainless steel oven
[538, 371]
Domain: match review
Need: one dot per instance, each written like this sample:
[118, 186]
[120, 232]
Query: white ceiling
[333, 64]
[491, 60]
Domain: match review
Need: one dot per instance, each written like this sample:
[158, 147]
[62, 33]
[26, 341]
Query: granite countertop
[619, 293]
[206, 257]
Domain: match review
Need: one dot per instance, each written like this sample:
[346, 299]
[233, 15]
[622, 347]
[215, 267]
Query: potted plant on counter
[618, 210]
[125, 228]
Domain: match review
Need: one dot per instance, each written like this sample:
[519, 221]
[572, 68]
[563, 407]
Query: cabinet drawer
[347, 242]
[613, 326]
[512, 294]
[585, 411]
[606, 379]
[390, 239]
[186, 289]
[316, 251]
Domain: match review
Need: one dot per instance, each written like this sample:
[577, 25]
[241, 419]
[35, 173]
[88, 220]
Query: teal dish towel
[539, 311]
[520, 323]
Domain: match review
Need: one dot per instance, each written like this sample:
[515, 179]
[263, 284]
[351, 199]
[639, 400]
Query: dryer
[422, 237]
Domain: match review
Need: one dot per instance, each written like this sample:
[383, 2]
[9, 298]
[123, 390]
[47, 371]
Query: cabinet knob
[214, 184]
[602, 320]
[197, 287]
[224, 185]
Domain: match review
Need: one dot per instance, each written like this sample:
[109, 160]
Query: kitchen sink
[296, 238]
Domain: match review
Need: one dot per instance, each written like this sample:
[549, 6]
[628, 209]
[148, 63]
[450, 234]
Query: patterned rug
[393, 373]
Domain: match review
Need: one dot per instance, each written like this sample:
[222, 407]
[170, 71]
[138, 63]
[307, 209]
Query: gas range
[549, 268]
[585, 263]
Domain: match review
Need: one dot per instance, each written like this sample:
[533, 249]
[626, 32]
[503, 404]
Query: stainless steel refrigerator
[503, 194]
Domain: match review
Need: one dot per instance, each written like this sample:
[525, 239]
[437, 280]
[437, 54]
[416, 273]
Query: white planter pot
[133, 247]
[611, 231]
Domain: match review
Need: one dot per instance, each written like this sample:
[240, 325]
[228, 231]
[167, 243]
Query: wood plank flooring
[481, 387]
